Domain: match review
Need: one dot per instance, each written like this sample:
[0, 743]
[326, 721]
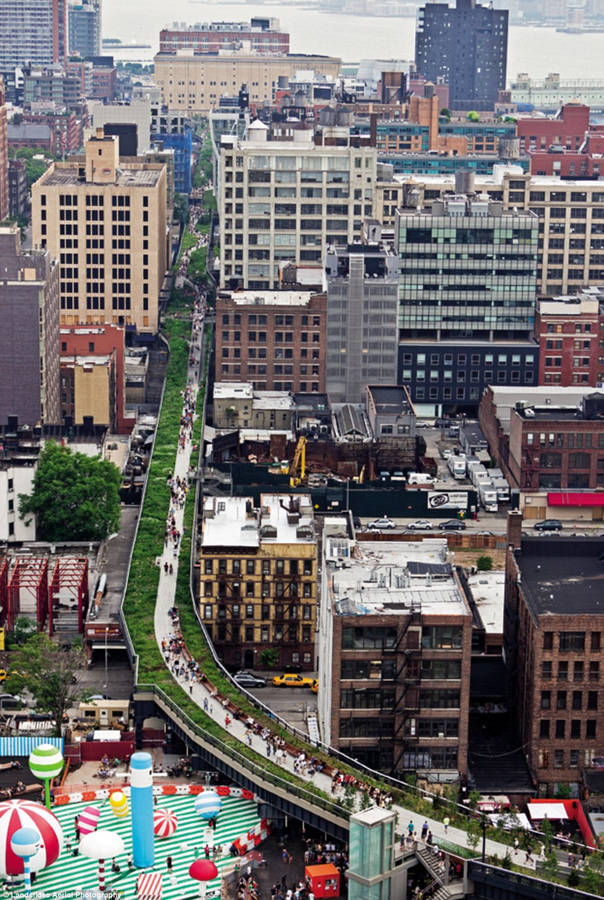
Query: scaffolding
[29, 575]
[69, 581]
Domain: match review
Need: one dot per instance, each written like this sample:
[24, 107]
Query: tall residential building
[394, 654]
[4, 190]
[104, 219]
[275, 340]
[258, 579]
[569, 347]
[32, 31]
[466, 46]
[285, 200]
[553, 638]
[466, 300]
[29, 338]
[195, 82]
[85, 28]
[362, 313]
[263, 34]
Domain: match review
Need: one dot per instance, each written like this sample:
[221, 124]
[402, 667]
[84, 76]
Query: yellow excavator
[299, 461]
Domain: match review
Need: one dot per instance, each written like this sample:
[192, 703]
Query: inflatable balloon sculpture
[203, 870]
[25, 843]
[25, 814]
[208, 805]
[46, 763]
[165, 823]
[101, 845]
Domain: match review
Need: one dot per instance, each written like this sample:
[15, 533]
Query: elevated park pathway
[330, 808]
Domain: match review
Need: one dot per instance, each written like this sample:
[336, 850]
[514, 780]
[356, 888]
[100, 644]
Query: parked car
[247, 680]
[379, 524]
[452, 525]
[446, 453]
[420, 525]
[548, 525]
[290, 679]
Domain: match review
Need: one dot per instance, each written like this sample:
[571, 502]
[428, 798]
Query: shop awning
[547, 811]
[576, 498]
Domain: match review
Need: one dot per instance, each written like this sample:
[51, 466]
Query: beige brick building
[104, 219]
[196, 81]
[258, 574]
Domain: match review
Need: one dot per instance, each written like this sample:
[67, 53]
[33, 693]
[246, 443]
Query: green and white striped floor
[70, 875]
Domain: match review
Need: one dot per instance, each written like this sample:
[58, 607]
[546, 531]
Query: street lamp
[483, 827]
[106, 635]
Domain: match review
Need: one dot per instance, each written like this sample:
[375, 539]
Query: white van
[420, 479]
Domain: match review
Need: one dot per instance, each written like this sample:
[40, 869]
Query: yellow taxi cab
[315, 686]
[291, 679]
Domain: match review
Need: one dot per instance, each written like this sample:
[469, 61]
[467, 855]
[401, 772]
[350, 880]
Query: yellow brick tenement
[258, 579]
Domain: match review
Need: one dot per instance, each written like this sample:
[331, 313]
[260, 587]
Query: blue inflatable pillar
[141, 800]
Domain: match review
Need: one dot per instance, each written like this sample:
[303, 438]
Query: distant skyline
[533, 50]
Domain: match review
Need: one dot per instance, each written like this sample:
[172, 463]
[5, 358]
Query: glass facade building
[468, 278]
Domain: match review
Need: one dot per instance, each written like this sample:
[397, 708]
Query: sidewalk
[165, 631]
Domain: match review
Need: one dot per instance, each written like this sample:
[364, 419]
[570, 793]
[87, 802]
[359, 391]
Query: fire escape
[404, 675]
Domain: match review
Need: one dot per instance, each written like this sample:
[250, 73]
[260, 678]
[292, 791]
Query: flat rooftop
[488, 590]
[551, 414]
[562, 575]
[390, 400]
[392, 578]
[234, 522]
[69, 176]
[235, 390]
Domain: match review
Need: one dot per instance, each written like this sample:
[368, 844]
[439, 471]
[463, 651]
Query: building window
[561, 700]
[595, 640]
[558, 759]
[544, 728]
[546, 669]
[590, 729]
[572, 641]
[575, 729]
[560, 728]
[577, 699]
[592, 699]
[548, 640]
[546, 700]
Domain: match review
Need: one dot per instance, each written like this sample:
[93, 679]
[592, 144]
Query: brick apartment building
[566, 129]
[394, 654]
[273, 339]
[567, 329]
[553, 631]
[82, 346]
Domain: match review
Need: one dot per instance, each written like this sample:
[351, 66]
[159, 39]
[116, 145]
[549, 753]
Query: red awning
[576, 498]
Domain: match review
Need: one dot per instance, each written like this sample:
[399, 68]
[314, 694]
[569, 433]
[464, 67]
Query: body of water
[533, 50]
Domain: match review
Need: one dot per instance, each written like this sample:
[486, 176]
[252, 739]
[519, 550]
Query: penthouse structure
[258, 579]
[395, 649]
[263, 34]
[104, 219]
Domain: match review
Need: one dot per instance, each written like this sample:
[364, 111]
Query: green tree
[49, 673]
[474, 833]
[74, 497]
[574, 879]
[547, 832]
[445, 114]
[473, 798]
[592, 874]
[268, 658]
[550, 866]
[484, 563]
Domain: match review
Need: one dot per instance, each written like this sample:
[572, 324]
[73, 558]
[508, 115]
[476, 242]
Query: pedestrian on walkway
[410, 828]
[446, 822]
[424, 831]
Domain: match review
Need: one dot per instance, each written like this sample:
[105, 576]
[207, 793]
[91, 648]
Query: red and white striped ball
[15, 814]
[165, 822]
